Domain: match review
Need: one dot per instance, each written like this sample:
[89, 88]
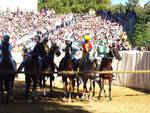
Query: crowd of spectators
[104, 27]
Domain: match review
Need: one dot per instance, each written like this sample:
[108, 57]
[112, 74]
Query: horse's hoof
[30, 101]
[110, 98]
[44, 94]
[77, 97]
[65, 94]
[64, 99]
[86, 96]
[83, 97]
[11, 97]
[33, 94]
[93, 98]
[69, 100]
[90, 99]
[99, 97]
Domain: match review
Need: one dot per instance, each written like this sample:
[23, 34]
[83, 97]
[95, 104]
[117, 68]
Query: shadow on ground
[51, 104]
[40, 107]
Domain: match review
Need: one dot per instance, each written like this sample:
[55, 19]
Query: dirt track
[125, 100]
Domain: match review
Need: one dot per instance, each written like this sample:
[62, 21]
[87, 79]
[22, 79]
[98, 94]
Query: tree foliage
[141, 35]
[75, 6]
[132, 5]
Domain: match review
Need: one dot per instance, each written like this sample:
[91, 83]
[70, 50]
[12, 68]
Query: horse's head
[113, 52]
[91, 55]
[34, 56]
[68, 51]
[55, 49]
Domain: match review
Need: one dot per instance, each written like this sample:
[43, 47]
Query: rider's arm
[85, 47]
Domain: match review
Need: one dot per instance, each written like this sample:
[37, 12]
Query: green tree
[132, 5]
[147, 7]
[118, 8]
[77, 6]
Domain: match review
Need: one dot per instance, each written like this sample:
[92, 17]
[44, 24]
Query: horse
[7, 79]
[32, 70]
[106, 65]
[68, 64]
[49, 66]
[86, 66]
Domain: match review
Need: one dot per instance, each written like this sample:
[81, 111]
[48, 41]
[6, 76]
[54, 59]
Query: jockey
[86, 45]
[67, 55]
[71, 55]
[6, 49]
[40, 49]
[102, 50]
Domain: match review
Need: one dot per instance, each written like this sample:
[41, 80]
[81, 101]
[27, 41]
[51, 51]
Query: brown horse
[87, 65]
[67, 64]
[69, 67]
[106, 65]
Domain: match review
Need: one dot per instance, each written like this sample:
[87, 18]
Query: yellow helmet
[87, 37]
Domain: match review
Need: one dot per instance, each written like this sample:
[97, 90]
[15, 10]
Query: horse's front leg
[2, 91]
[64, 80]
[77, 86]
[11, 87]
[73, 83]
[70, 88]
[94, 87]
[28, 84]
[110, 82]
[7, 86]
[51, 82]
[90, 89]
[44, 86]
[101, 87]
[35, 80]
[84, 87]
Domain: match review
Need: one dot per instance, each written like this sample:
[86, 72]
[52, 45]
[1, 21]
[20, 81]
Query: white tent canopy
[23, 5]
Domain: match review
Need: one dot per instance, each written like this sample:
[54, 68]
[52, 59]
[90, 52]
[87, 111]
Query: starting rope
[75, 72]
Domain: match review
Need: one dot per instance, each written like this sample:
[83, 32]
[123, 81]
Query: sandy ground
[125, 100]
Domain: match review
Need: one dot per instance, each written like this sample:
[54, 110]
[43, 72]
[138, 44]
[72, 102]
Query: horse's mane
[114, 53]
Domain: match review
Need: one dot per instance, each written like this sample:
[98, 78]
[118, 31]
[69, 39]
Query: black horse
[106, 65]
[7, 79]
[32, 70]
[49, 66]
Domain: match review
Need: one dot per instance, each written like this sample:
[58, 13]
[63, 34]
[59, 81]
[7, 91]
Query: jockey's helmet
[38, 38]
[68, 42]
[6, 37]
[45, 39]
[38, 32]
[87, 38]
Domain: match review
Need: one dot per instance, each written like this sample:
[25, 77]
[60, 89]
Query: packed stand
[23, 28]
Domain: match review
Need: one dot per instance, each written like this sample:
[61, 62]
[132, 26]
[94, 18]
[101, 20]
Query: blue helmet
[6, 37]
